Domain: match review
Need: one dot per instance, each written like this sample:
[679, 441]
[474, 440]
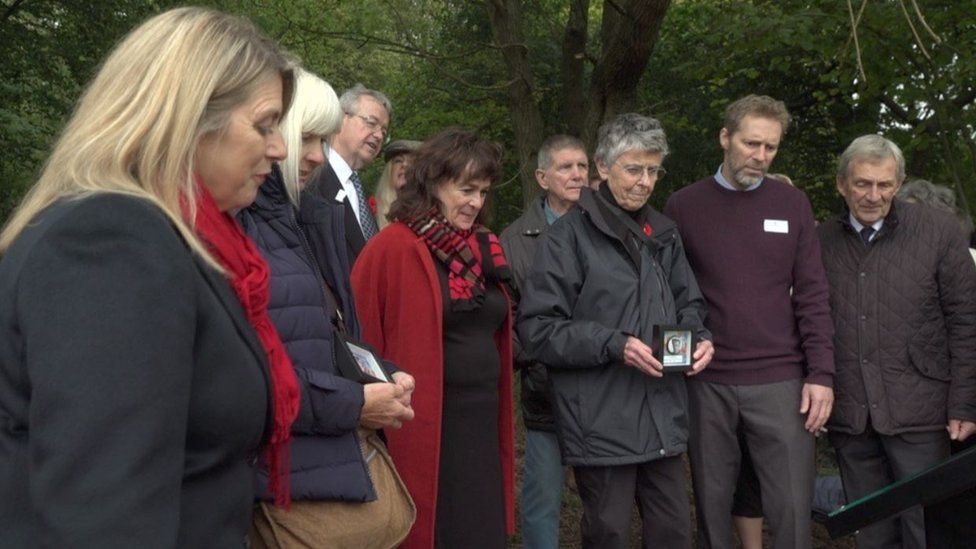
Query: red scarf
[466, 267]
[249, 277]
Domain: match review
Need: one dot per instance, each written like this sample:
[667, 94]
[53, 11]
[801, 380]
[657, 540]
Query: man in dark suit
[364, 130]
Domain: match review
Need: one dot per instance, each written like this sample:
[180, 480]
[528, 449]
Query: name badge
[341, 195]
[776, 226]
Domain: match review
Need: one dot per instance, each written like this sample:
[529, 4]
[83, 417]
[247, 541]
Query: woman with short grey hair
[608, 273]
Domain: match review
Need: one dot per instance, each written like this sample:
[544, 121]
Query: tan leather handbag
[383, 523]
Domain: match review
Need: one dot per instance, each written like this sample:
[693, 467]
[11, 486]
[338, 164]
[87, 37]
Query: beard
[742, 179]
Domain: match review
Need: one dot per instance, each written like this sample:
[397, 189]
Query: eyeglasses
[374, 125]
[635, 171]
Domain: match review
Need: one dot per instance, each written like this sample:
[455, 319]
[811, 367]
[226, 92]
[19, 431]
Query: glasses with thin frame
[374, 125]
[636, 171]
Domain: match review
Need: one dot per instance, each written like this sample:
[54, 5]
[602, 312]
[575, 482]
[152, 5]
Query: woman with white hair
[135, 390]
[606, 275]
[301, 236]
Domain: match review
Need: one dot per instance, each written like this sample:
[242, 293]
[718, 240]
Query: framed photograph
[358, 362]
[674, 347]
[367, 362]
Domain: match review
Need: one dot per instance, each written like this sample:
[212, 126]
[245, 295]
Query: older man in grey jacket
[562, 173]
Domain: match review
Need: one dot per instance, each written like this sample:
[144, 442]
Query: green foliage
[50, 49]
[436, 61]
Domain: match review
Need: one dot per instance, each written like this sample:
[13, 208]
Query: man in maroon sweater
[752, 244]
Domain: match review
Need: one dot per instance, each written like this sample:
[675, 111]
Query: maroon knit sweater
[748, 249]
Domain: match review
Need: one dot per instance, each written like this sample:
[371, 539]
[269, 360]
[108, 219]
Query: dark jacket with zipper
[520, 241]
[304, 250]
[598, 279]
[904, 308]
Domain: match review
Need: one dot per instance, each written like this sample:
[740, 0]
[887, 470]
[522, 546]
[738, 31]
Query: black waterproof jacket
[520, 241]
[584, 295]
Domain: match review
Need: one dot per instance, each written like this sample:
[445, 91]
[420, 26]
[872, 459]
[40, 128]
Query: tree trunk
[573, 62]
[630, 31]
[506, 20]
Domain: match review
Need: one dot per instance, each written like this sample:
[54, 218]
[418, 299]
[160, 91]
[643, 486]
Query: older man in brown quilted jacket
[903, 300]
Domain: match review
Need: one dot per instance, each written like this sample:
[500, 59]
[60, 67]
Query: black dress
[470, 498]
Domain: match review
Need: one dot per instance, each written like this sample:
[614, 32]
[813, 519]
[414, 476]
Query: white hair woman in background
[301, 236]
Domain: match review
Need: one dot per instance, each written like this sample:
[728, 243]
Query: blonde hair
[385, 194]
[314, 110]
[135, 130]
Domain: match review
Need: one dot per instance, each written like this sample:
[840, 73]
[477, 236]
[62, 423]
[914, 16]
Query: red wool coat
[398, 299]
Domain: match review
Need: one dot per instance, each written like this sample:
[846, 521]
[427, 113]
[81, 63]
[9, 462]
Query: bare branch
[857, 45]
[855, 25]
[921, 18]
[918, 40]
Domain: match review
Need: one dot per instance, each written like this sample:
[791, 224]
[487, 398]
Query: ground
[571, 511]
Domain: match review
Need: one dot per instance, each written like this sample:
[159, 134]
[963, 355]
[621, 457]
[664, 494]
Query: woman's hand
[639, 355]
[704, 352]
[406, 381]
[382, 407]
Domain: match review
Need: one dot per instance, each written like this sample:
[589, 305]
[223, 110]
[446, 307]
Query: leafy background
[518, 71]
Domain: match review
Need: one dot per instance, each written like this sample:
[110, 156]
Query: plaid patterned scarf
[463, 253]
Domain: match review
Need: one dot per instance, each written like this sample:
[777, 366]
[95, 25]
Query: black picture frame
[358, 361]
[674, 346]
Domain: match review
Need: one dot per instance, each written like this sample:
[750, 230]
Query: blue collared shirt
[551, 216]
[725, 182]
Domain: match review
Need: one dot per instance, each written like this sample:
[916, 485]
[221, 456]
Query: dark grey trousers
[870, 461]
[608, 495]
[782, 454]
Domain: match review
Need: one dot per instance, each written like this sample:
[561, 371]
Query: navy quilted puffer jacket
[300, 248]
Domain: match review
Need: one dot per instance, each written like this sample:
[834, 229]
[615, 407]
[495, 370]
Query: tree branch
[857, 45]
[899, 111]
[918, 39]
[921, 18]
[11, 10]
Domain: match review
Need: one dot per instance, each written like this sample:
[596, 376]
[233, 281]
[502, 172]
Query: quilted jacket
[904, 309]
[301, 251]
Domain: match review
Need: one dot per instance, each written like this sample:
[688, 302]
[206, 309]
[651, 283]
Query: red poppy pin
[647, 229]
[372, 204]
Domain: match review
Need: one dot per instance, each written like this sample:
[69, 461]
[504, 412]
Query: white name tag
[776, 226]
[341, 195]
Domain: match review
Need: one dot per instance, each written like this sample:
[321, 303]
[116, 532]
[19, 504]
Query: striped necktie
[366, 221]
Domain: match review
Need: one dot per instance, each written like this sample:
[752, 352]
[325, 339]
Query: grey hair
[350, 99]
[926, 192]
[939, 197]
[557, 143]
[627, 132]
[871, 148]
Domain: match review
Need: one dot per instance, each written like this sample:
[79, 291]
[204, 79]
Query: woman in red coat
[431, 295]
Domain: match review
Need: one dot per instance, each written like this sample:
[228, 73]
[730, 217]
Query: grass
[572, 509]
